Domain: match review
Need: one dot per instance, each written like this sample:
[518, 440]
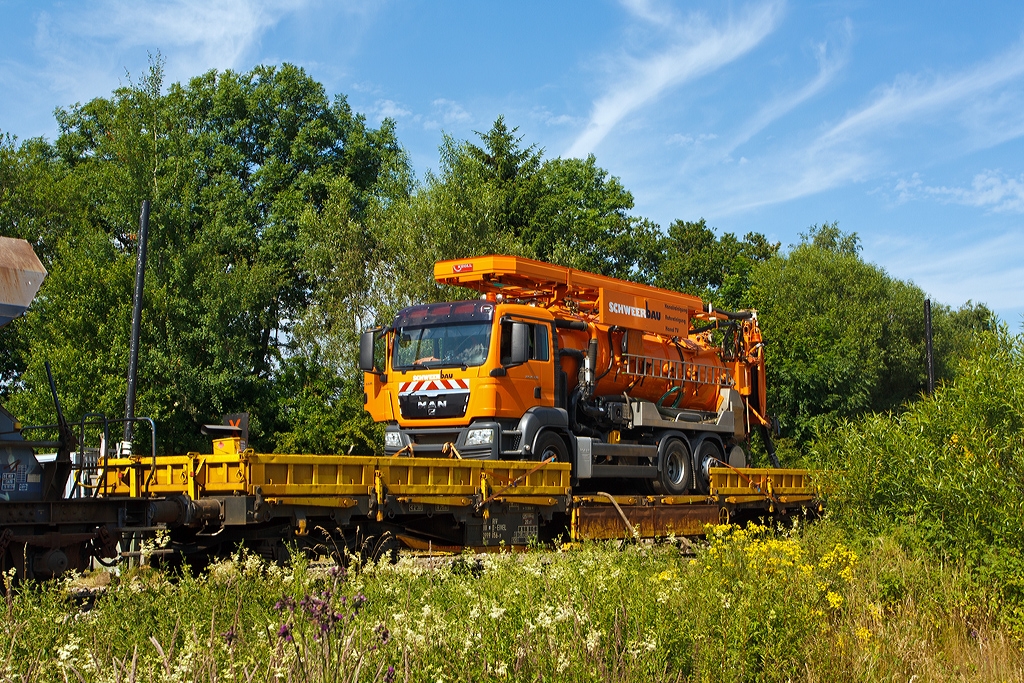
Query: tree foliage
[283, 225]
[946, 475]
[717, 269]
[843, 337]
[232, 163]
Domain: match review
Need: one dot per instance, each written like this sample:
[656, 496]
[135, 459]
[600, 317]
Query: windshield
[442, 346]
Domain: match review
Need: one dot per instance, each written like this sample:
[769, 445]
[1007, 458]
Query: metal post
[928, 357]
[133, 362]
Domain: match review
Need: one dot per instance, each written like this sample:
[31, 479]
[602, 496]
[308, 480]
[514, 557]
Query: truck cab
[478, 376]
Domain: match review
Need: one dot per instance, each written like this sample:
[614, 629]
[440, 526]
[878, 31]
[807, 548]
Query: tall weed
[753, 604]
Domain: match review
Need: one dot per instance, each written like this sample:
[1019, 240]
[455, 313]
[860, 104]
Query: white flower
[594, 640]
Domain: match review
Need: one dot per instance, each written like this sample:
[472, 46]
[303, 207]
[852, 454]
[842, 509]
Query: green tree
[843, 337]
[717, 269]
[565, 211]
[582, 221]
[232, 163]
[498, 196]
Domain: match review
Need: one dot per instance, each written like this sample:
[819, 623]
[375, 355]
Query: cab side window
[540, 346]
[539, 342]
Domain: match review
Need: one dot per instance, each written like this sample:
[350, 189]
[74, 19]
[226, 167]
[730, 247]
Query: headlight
[479, 437]
[392, 439]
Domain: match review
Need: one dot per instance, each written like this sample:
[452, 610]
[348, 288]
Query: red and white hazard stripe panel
[430, 385]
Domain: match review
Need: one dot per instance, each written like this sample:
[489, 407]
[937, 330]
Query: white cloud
[991, 190]
[81, 50]
[682, 140]
[389, 109]
[201, 34]
[984, 267]
[545, 116]
[699, 48]
[908, 188]
[451, 112]
[830, 61]
[909, 99]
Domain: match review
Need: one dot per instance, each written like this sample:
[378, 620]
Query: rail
[85, 464]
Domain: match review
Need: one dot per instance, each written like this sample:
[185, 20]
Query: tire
[548, 444]
[676, 473]
[704, 450]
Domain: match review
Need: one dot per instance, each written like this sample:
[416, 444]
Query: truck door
[533, 382]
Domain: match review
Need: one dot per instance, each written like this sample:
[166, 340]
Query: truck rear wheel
[676, 472]
[708, 455]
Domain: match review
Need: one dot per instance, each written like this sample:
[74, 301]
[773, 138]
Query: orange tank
[648, 367]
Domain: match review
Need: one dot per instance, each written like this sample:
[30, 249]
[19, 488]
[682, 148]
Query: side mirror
[366, 363]
[520, 344]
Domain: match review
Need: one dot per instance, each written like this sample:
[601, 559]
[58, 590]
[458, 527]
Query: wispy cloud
[221, 31]
[911, 98]
[832, 57]
[545, 116]
[200, 34]
[990, 190]
[857, 147]
[985, 266]
[389, 109]
[450, 113]
[698, 48]
[683, 140]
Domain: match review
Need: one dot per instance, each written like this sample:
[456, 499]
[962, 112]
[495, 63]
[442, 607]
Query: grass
[751, 605]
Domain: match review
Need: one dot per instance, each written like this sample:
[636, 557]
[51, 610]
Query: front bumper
[428, 442]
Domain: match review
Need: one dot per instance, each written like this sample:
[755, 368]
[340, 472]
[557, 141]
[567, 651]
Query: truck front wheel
[550, 444]
[676, 472]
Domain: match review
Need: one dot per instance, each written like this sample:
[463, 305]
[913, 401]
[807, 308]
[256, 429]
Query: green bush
[946, 475]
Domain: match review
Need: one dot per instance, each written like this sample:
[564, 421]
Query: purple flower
[229, 636]
[287, 602]
[285, 632]
[389, 677]
[383, 633]
[320, 611]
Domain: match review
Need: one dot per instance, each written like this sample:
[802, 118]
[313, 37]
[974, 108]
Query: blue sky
[902, 121]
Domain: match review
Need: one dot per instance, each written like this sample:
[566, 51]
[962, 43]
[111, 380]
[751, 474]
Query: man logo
[431, 405]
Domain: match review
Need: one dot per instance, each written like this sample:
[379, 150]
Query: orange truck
[625, 381]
